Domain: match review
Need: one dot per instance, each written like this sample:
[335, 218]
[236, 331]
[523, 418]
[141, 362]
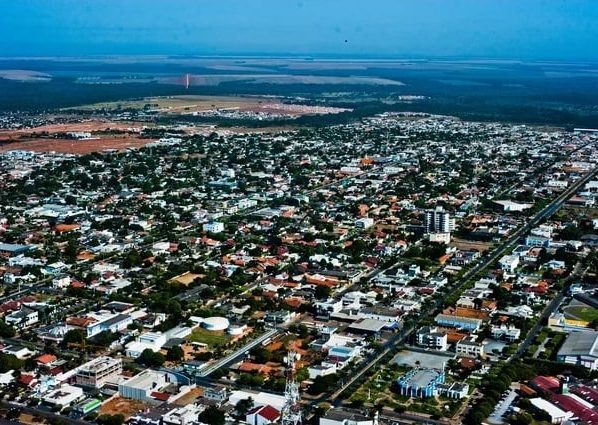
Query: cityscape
[272, 240]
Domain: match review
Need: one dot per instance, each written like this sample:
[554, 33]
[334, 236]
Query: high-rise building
[438, 221]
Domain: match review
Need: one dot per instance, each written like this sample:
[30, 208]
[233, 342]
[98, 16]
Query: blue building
[420, 382]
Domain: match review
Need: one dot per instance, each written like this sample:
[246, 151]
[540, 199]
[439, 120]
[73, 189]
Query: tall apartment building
[430, 337]
[438, 221]
[97, 372]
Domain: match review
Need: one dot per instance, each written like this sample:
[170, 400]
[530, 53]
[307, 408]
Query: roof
[549, 408]
[368, 325]
[46, 358]
[267, 412]
[339, 415]
[582, 343]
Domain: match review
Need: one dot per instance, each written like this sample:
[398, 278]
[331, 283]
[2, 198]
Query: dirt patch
[465, 245]
[79, 147]
[186, 278]
[123, 406]
[189, 397]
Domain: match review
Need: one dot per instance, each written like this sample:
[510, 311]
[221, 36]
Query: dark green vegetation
[540, 93]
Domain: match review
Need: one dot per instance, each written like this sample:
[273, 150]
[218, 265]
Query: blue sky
[552, 29]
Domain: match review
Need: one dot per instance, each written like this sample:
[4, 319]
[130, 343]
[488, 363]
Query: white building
[469, 347]
[430, 337]
[438, 221]
[141, 386]
[509, 263]
[557, 416]
[23, 318]
[95, 373]
[213, 227]
[64, 396]
[364, 223]
[149, 340]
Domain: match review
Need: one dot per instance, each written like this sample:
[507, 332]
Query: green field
[582, 313]
[211, 338]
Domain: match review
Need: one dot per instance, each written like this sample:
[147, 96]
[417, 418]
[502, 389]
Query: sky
[517, 29]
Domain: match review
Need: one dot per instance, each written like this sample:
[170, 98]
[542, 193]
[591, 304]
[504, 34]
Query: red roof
[588, 393]
[545, 383]
[160, 396]
[26, 379]
[569, 404]
[267, 412]
[46, 358]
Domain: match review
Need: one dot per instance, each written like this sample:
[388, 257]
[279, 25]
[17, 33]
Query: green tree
[150, 358]
[117, 419]
[212, 416]
[175, 354]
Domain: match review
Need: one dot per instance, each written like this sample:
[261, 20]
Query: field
[582, 313]
[74, 146]
[211, 338]
[178, 104]
[189, 104]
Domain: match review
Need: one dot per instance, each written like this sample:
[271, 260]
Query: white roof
[259, 399]
[550, 408]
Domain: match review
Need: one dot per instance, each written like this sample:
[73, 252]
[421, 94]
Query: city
[262, 226]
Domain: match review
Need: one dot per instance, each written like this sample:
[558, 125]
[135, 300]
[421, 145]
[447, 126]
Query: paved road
[238, 354]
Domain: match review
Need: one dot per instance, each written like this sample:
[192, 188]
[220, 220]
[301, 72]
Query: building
[459, 322]
[341, 417]
[23, 318]
[438, 221]
[510, 333]
[364, 223]
[557, 416]
[262, 415]
[509, 263]
[213, 227]
[183, 415]
[97, 372]
[456, 390]
[147, 341]
[430, 337]
[580, 348]
[64, 396]
[144, 385]
[469, 347]
[420, 382]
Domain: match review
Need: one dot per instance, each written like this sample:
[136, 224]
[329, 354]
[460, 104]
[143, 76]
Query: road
[238, 354]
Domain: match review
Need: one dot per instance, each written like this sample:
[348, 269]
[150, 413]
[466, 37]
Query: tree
[9, 362]
[243, 406]
[175, 354]
[323, 292]
[261, 355]
[117, 419]
[150, 358]
[212, 416]
[6, 331]
[74, 336]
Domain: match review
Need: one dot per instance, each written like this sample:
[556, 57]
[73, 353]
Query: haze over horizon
[498, 29]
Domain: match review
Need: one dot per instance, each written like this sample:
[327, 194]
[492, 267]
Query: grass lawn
[211, 338]
[583, 313]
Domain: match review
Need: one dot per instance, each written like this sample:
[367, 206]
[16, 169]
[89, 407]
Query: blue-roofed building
[421, 382]
[460, 322]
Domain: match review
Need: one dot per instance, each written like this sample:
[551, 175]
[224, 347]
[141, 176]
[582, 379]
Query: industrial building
[580, 348]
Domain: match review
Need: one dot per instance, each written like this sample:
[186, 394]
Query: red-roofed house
[262, 415]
